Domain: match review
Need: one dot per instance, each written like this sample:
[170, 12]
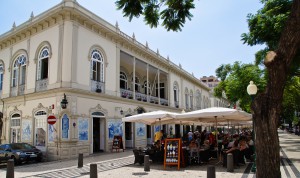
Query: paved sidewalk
[120, 165]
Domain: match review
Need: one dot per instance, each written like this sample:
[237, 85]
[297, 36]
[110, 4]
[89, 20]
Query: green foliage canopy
[173, 13]
[237, 77]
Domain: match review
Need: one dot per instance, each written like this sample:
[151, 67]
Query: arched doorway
[15, 132]
[40, 132]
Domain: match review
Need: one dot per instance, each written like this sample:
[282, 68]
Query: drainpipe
[2, 119]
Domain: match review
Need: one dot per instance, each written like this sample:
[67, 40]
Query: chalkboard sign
[173, 152]
[117, 143]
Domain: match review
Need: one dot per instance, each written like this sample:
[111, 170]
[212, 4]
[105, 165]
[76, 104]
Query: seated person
[205, 153]
[244, 150]
[158, 153]
[193, 145]
[157, 145]
[233, 149]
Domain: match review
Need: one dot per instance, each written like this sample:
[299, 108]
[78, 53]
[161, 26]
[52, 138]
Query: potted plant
[98, 90]
[124, 95]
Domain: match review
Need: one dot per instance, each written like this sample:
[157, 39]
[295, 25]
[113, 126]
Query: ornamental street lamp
[64, 102]
[252, 90]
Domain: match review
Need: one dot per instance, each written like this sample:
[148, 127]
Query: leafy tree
[236, 80]
[173, 13]
[274, 25]
[291, 99]
[279, 28]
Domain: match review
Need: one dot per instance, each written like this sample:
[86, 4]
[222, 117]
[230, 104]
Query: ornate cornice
[72, 11]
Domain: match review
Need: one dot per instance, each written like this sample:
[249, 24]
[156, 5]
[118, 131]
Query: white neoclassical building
[104, 73]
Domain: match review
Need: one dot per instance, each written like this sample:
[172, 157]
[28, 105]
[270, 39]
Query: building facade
[212, 82]
[104, 74]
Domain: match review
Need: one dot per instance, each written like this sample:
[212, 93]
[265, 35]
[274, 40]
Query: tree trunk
[267, 105]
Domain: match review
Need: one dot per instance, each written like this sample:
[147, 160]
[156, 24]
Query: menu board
[117, 143]
[172, 152]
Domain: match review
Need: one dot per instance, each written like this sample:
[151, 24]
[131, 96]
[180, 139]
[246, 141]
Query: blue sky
[210, 39]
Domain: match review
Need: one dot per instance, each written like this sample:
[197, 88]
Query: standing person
[190, 135]
[203, 137]
[158, 135]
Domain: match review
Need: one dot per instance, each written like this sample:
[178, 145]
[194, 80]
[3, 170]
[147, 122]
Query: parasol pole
[220, 161]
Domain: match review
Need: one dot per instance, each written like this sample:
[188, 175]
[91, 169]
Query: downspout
[2, 121]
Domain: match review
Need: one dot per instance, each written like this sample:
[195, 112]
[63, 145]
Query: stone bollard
[93, 171]
[80, 160]
[211, 172]
[10, 173]
[229, 162]
[146, 163]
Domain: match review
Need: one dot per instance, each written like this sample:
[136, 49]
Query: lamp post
[252, 90]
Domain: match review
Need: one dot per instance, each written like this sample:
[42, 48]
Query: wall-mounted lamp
[119, 109]
[64, 102]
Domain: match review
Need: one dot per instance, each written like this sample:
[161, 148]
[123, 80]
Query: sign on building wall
[140, 129]
[51, 133]
[26, 130]
[83, 129]
[114, 128]
[156, 128]
[65, 127]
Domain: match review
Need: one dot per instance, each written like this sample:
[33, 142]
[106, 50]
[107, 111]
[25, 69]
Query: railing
[164, 102]
[126, 93]
[21, 89]
[98, 87]
[41, 85]
[143, 97]
[176, 104]
[13, 91]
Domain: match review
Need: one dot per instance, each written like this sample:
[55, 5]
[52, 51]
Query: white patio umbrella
[152, 118]
[214, 114]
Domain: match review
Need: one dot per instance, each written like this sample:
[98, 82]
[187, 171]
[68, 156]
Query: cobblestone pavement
[120, 165]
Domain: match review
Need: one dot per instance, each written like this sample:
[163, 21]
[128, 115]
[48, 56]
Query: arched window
[191, 99]
[15, 128]
[97, 66]
[65, 127]
[137, 85]
[1, 75]
[19, 70]
[198, 100]
[186, 98]
[147, 89]
[123, 80]
[176, 94]
[42, 72]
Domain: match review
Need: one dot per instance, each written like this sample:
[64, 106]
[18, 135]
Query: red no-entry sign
[51, 119]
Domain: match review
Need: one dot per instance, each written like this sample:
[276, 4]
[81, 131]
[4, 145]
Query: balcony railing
[126, 93]
[143, 97]
[21, 89]
[98, 87]
[41, 85]
[17, 90]
[177, 104]
[13, 91]
[164, 102]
